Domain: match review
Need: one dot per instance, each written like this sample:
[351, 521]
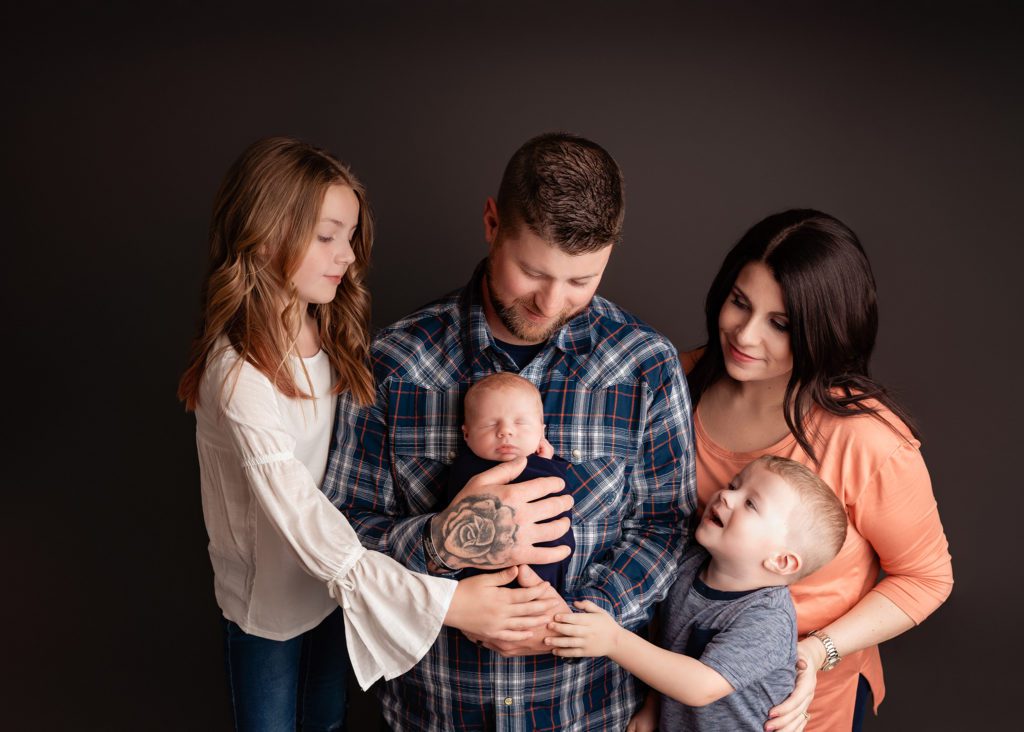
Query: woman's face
[754, 329]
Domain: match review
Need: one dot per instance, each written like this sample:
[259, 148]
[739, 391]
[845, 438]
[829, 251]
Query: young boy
[504, 419]
[728, 623]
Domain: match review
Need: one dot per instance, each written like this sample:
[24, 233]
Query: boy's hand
[646, 718]
[590, 633]
[545, 449]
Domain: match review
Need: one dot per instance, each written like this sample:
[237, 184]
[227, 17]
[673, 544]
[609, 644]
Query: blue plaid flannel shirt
[616, 407]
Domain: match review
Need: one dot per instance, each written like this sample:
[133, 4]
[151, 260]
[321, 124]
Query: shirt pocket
[598, 432]
[426, 431]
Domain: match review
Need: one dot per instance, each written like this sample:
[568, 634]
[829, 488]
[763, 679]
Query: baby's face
[747, 522]
[504, 424]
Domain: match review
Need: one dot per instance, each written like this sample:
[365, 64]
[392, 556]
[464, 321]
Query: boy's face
[748, 522]
[504, 424]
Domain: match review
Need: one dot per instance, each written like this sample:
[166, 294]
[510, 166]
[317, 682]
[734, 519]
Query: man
[616, 407]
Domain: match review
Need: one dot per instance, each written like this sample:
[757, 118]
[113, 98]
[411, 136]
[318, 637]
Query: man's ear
[465, 435]
[784, 563]
[491, 221]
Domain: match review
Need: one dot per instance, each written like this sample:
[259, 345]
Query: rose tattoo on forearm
[478, 531]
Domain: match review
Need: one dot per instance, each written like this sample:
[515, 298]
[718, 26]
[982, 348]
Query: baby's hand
[590, 633]
[546, 449]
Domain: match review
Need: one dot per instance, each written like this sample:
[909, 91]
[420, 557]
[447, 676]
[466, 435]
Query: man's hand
[491, 524]
[590, 633]
[532, 644]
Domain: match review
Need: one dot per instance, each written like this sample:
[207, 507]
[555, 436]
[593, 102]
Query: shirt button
[451, 454]
[508, 701]
[576, 454]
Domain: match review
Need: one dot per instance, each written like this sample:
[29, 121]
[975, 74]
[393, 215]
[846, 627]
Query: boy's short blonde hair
[497, 382]
[818, 526]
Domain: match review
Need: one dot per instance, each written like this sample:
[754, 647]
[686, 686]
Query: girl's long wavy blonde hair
[263, 222]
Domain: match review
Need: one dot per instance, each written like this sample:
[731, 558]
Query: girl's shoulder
[228, 376]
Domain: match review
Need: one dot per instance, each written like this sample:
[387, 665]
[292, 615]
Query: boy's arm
[595, 633]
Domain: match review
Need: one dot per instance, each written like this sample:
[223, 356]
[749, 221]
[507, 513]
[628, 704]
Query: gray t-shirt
[748, 637]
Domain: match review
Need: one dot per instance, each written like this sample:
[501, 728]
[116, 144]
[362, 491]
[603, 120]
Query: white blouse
[283, 556]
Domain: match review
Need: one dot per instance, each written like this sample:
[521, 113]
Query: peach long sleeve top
[878, 473]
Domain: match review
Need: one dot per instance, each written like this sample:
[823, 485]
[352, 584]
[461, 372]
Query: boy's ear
[784, 563]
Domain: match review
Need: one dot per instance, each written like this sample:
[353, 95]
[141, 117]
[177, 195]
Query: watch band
[832, 657]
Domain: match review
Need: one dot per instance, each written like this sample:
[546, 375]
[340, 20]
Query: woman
[791, 321]
[285, 330]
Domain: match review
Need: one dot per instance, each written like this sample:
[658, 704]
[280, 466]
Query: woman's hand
[646, 717]
[791, 715]
[488, 611]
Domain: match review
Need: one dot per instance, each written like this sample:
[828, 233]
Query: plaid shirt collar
[575, 338]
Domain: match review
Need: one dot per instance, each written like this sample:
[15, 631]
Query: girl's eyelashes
[324, 239]
[781, 326]
[739, 302]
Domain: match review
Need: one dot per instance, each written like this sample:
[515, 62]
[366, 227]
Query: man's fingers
[501, 474]
[531, 490]
[536, 533]
[544, 509]
[545, 554]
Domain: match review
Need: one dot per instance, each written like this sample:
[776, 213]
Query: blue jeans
[283, 686]
[861, 705]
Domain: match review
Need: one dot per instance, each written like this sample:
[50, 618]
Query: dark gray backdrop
[903, 121]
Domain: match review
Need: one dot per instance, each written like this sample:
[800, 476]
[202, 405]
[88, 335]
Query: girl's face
[330, 252]
[754, 329]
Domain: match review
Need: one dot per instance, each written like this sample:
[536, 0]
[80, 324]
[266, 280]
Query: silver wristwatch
[832, 657]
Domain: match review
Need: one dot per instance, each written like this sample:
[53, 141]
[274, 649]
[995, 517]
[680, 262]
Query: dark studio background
[903, 120]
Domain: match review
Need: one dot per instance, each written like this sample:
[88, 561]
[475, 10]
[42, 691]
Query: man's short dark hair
[566, 190]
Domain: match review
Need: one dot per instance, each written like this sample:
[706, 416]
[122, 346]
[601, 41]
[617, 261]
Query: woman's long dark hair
[829, 293]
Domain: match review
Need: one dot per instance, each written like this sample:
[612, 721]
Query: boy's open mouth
[714, 517]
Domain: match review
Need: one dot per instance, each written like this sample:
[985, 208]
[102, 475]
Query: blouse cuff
[392, 615]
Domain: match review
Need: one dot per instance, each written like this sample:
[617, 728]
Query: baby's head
[776, 520]
[504, 417]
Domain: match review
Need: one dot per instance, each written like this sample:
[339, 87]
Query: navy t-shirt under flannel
[468, 464]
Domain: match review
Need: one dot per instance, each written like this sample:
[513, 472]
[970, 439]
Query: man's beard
[519, 326]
